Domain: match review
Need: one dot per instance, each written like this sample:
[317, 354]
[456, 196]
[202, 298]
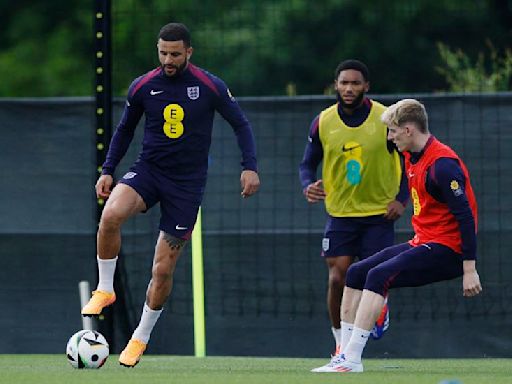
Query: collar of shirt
[416, 156]
[359, 115]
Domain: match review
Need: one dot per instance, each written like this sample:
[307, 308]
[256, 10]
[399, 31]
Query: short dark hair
[175, 32]
[352, 64]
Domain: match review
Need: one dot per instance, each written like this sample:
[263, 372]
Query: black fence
[265, 282]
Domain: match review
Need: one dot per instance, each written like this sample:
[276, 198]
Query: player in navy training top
[179, 101]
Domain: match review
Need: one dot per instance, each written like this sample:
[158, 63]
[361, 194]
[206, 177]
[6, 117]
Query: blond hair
[406, 111]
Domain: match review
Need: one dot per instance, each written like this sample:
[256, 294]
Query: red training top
[432, 220]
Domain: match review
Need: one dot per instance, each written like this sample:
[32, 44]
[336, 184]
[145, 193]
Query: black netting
[265, 281]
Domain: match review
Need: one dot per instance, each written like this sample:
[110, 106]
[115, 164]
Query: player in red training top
[179, 101]
[444, 222]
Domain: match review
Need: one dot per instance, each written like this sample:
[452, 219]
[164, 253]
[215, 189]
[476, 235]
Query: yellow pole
[198, 289]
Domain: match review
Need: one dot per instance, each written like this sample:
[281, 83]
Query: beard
[178, 69]
[354, 104]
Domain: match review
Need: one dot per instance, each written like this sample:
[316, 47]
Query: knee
[378, 281]
[356, 276]
[163, 268]
[110, 219]
[161, 273]
[336, 278]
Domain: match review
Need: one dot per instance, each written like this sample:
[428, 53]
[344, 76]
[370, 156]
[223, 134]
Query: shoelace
[335, 360]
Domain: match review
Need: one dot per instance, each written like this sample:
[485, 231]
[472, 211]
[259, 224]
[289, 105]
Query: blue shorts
[179, 202]
[403, 265]
[357, 236]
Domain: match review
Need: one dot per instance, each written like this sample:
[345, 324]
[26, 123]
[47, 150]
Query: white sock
[346, 333]
[147, 322]
[354, 349]
[106, 270]
[336, 332]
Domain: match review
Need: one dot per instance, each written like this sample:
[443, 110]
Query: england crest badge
[325, 244]
[193, 93]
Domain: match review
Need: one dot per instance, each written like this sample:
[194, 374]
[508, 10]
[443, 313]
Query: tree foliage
[491, 73]
[259, 48]
[46, 48]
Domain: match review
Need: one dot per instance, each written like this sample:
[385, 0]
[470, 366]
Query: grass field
[54, 369]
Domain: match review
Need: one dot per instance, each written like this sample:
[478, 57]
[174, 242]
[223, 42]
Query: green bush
[486, 74]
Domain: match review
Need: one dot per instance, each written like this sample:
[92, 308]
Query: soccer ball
[87, 349]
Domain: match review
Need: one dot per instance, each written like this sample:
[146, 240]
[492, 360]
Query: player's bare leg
[337, 271]
[349, 311]
[350, 303]
[123, 203]
[167, 252]
[368, 310]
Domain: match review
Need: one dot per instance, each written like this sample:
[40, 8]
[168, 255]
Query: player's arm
[313, 155]
[124, 131]
[228, 107]
[451, 183]
[470, 280]
[119, 143]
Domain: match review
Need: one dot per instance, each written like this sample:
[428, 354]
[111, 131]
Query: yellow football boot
[98, 301]
[132, 353]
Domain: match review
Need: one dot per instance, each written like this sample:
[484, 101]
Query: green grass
[153, 369]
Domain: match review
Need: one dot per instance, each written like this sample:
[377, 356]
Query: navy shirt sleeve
[313, 155]
[228, 107]
[447, 184]
[123, 135]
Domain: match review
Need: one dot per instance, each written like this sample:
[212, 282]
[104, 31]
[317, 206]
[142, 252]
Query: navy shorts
[403, 265]
[179, 202]
[357, 236]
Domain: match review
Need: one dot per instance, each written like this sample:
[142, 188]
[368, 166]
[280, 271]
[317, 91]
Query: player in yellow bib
[362, 183]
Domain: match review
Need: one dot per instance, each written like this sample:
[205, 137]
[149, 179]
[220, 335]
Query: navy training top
[179, 115]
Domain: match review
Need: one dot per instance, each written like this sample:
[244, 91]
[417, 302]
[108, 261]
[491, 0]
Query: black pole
[103, 70]
[103, 90]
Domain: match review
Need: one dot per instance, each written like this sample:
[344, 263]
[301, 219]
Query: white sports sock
[354, 349]
[336, 332]
[106, 270]
[147, 322]
[346, 333]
